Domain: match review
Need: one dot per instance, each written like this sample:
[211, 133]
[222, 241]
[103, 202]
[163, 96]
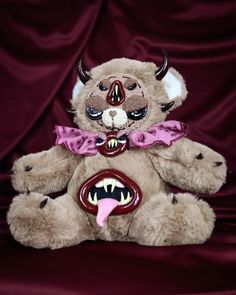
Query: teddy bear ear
[76, 89]
[174, 86]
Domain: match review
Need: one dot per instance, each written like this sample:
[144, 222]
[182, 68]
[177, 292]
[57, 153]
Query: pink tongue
[105, 206]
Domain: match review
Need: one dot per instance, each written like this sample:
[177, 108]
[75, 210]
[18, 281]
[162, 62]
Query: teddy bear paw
[173, 220]
[34, 219]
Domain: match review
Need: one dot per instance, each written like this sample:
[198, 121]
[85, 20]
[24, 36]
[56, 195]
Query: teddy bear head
[125, 94]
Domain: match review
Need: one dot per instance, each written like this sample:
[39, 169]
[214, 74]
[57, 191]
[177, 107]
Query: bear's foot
[41, 222]
[172, 220]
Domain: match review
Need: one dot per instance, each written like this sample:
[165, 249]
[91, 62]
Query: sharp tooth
[95, 199]
[109, 143]
[116, 89]
[105, 184]
[122, 199]
[112, 142]
[128, 198]
[113, 185]
[116, 143]
[90, 199]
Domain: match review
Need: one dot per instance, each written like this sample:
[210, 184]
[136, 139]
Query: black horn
[84, 77]
[166, 106]
[162, 70]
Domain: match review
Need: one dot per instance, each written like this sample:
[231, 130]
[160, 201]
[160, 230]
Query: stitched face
[128, 99]
[117, 102]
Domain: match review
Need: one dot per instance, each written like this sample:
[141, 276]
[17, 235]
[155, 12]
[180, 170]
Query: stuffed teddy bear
[117, 166]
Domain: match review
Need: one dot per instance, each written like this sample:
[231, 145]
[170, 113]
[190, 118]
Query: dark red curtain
[40, 43]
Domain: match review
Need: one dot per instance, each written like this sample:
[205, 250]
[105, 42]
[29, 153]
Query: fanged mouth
[109, 192]
[109, 188]
[112, 143]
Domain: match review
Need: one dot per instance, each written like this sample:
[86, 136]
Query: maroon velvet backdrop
[40, 42]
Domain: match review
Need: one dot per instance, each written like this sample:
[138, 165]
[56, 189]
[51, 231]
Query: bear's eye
[132, 86]
[138, 114]
[99, 141]
[102, 87]
[122, 138]
[93, 114]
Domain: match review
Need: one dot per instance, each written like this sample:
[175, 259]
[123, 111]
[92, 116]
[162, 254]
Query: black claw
[28, 192]
[28, 168]
[174, 200]
[217, 164]
[43, 203]
[199, 156]
[11, 172]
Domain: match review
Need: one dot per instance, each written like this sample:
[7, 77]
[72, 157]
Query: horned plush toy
[117, 166]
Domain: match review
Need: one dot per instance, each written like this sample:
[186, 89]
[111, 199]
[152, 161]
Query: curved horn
[84, 77]
[162, 70]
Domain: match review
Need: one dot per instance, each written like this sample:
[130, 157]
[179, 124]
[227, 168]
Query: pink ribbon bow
[84, 142]
[163, 133]
[77, 141]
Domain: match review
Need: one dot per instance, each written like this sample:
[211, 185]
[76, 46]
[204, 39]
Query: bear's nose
[112, 113]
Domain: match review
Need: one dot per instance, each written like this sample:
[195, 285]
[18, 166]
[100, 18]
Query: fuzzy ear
[174, 86]
[76, 89]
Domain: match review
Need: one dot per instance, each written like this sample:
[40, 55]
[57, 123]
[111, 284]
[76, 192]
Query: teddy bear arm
[44, 172]
[190, 166]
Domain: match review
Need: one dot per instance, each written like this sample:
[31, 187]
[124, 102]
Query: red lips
[109, 184]
[113, 145]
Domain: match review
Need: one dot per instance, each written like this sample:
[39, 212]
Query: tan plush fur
[161, 219]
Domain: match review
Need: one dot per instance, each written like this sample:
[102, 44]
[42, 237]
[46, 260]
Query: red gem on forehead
[116, 94]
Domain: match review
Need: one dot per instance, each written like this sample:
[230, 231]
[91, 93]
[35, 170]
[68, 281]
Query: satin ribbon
[163, 133]
[77, 141]
[84, 142]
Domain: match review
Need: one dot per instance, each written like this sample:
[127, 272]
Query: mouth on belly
[109, 192]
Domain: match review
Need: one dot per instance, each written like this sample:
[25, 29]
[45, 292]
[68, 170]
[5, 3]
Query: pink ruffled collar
[85, 143]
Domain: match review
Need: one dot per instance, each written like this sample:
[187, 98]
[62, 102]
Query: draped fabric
[40, 43]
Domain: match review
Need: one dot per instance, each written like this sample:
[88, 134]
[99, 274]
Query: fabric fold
[163, 133]
[77, 141]
[82, 142]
